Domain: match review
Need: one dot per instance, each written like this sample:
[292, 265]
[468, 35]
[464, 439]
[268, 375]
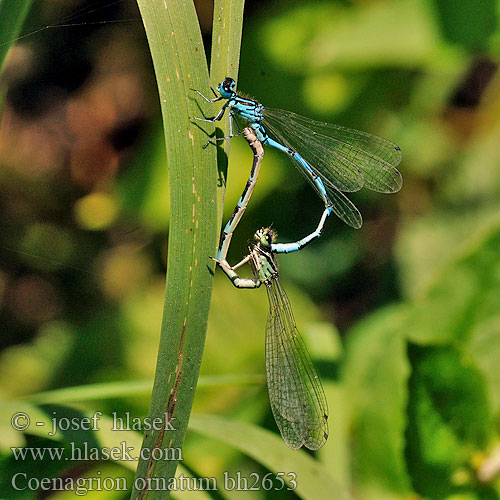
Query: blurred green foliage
[412, 367]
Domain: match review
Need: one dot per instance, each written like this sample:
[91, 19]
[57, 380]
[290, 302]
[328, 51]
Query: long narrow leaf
[307, 477]
[226, 44]
[12, 15]
[178, 57]
[131, 388]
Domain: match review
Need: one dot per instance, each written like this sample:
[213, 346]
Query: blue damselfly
[334, 159]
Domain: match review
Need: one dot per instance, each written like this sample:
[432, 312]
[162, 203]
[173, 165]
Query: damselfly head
[226, 87]
[266, 236]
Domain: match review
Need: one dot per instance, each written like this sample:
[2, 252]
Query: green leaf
[484, 347]
[313, 480]
[12, 15]
[449, 408]
[225, 58]
[428, 244]
[376, 371]
[313, 37]
[464, 293]
[94, 392]
[449, 417]
[226, 40]
[178, 57]
[468, 22]
[477, 178]
[336, 454]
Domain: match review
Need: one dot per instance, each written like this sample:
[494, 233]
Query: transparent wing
[343, 207]
[347, 158]
[296, 395]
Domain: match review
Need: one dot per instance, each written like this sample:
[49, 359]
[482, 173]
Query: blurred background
[402, 316]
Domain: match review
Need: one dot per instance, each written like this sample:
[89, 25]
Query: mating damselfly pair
[334, 159]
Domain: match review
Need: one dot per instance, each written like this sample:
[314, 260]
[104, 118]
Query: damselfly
[297, 399]
[296, 395]
[334, 159]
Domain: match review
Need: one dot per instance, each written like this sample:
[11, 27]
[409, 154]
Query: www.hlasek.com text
[84, 452]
